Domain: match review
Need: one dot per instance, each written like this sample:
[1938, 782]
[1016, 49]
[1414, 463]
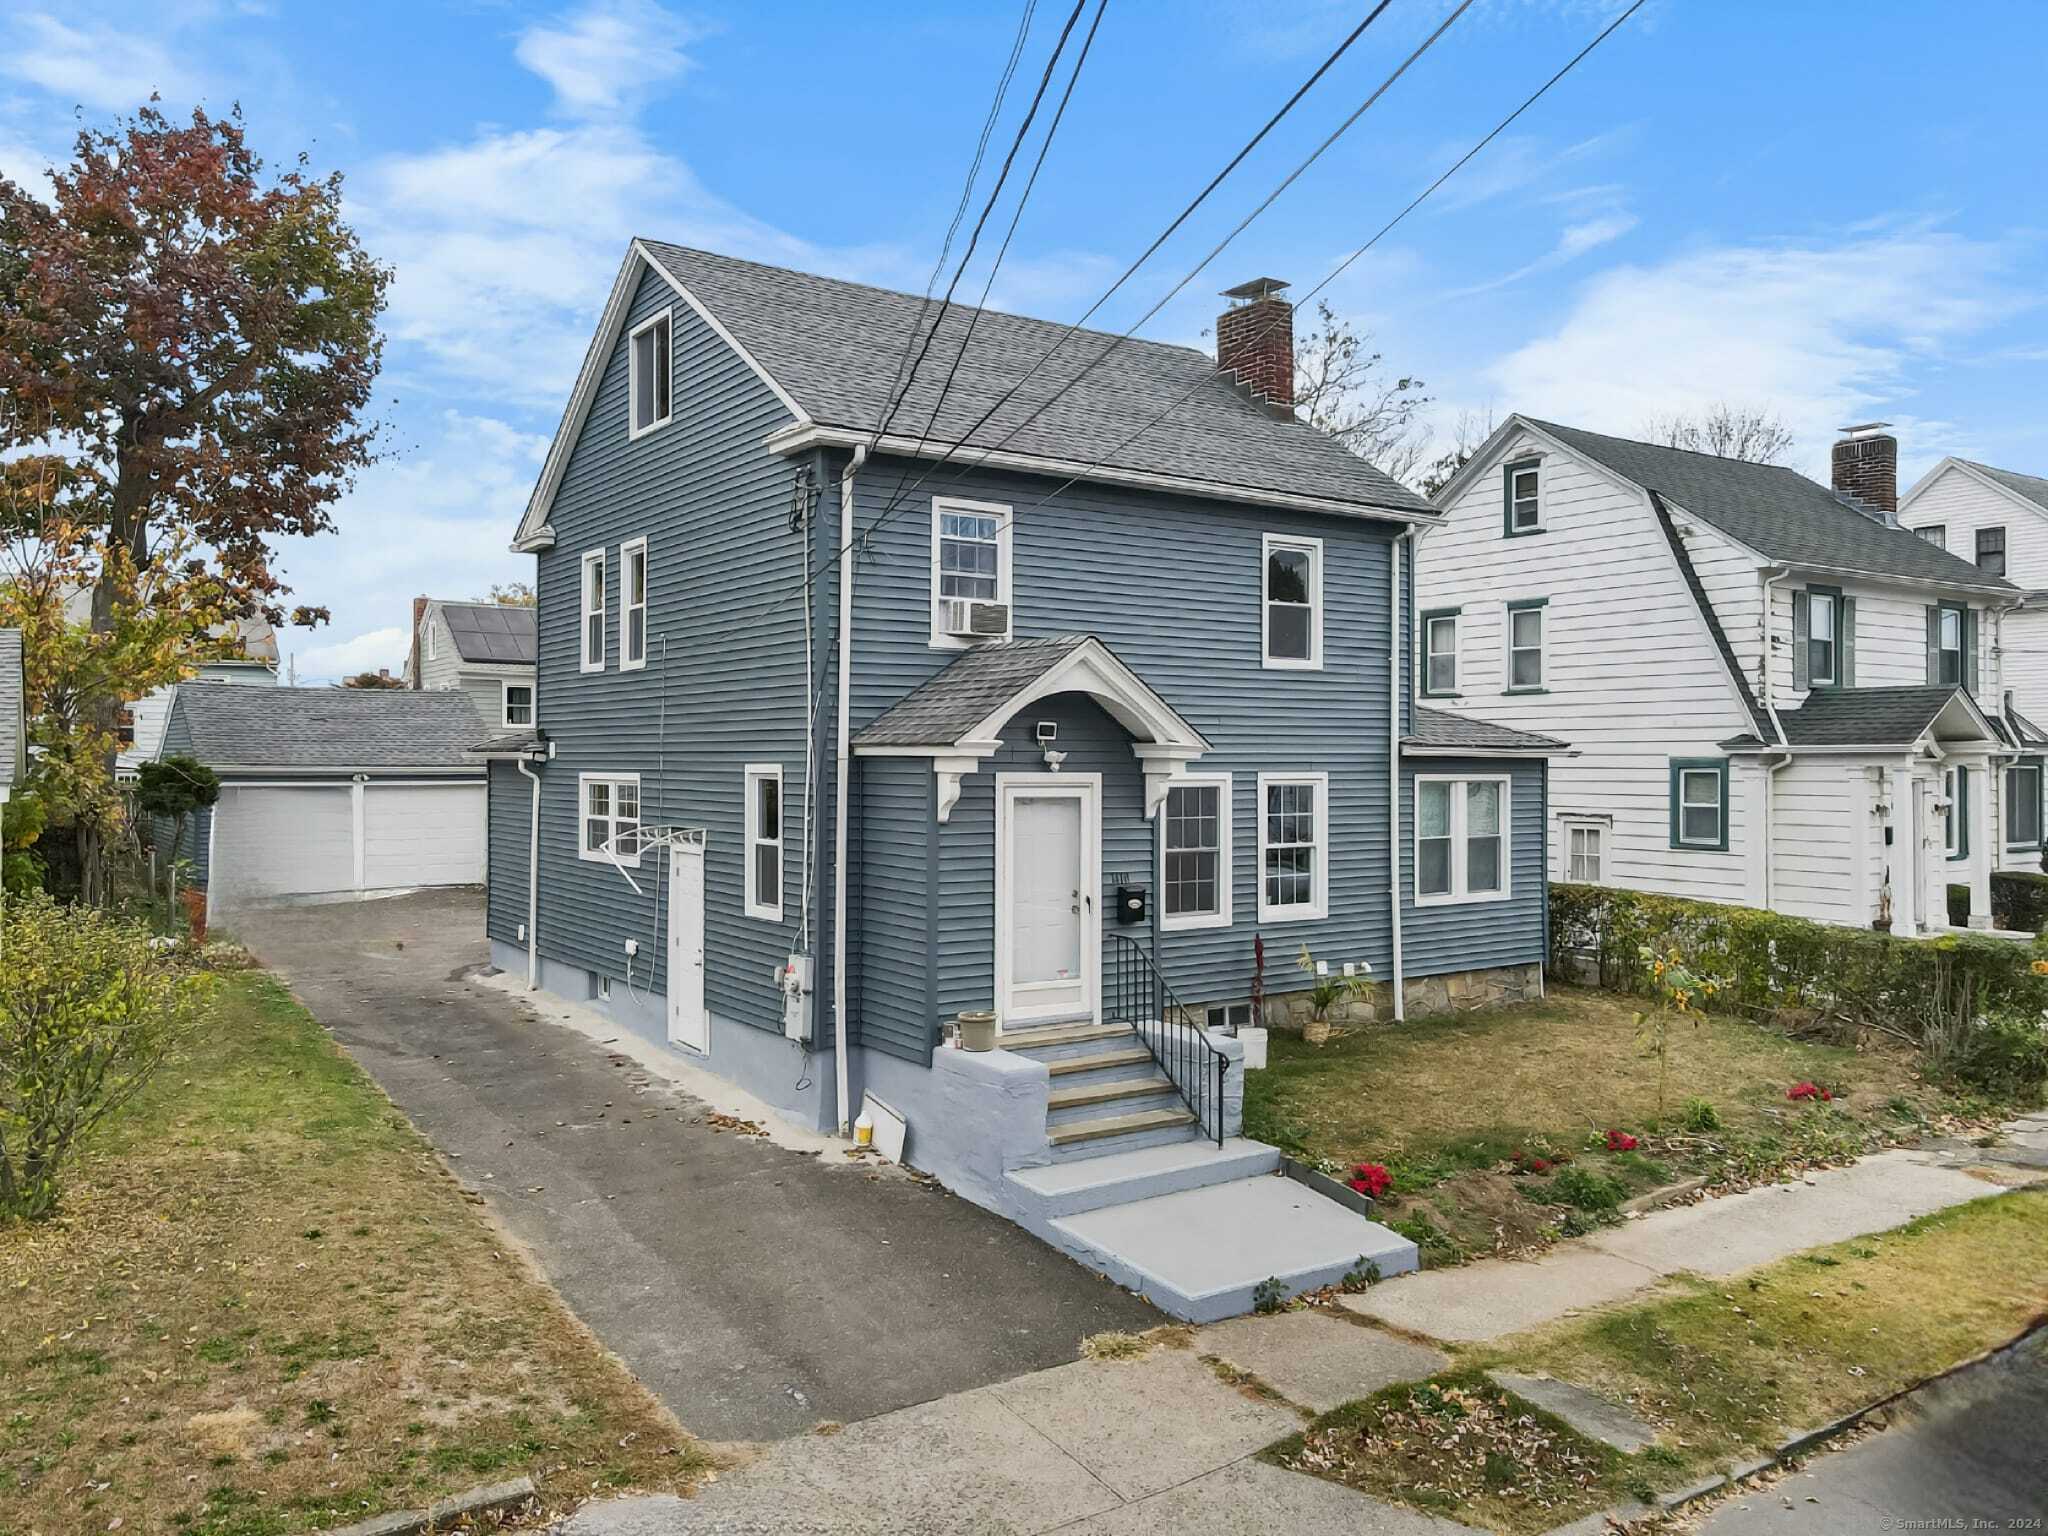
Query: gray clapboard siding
[724, 681]
[1476, 935]
[196, 845]
[892, 900]
[507, 846]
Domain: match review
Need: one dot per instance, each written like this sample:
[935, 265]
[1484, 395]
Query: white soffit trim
[533, 531]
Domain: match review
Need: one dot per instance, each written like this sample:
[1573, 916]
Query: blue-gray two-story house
[1058, 685]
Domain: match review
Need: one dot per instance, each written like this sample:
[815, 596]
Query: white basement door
[305, 840]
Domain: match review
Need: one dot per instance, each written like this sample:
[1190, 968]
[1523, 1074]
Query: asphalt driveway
[755, 1290]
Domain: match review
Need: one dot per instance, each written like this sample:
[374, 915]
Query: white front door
[1048, 870]
[687, 1022]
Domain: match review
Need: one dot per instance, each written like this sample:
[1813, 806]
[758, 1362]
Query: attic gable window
[648, 384]
[1991, 551]
[1935, 534]
[1522, 497]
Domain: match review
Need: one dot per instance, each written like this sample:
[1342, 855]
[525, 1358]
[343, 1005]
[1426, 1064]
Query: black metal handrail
[1140, 997]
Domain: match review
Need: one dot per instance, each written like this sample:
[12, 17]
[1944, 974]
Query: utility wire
[1459, 164]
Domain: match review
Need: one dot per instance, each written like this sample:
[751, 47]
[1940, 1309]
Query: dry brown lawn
[264, 1307]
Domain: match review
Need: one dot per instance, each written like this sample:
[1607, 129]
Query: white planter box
[1254, 1048]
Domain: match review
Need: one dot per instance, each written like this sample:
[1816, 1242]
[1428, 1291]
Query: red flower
[1371, 1179]
[1809, 1091]
[1620, 1141]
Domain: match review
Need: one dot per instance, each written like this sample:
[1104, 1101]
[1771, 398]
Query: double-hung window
[611, 817]
[1585, 852]
[1294, 846]
[1194, 853]
[970, 563]
[1955, 815]
[1522, 497]
[649, 368]
[1440, 653]
[1699, 803]
[1946, 656]
[1935, 534]
[633, 620]
[1824, 619]
[764, 841]
[2023, 804]
[593, 610]
[1525, 625]
[517, 700]
[1292, 602]
[1461, 839]
[1991, 551]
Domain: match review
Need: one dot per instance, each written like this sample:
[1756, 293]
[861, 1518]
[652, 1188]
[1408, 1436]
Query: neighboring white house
[143, 731]
[1998, 520]
[485, 649]
[1777, 696]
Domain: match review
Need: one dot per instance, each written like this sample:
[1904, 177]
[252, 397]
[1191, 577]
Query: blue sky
[1826, 210]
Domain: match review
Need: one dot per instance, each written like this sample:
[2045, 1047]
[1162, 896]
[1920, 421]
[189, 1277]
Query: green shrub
[1583, 1191]
[1928, 989]
[2004, 1055]
[1958, 906]
[2019, 900]
[89, 1009]
[1698, 1114]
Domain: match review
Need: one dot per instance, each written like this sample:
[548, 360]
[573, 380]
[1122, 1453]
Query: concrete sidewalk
[1098, 1448]
[1497, 1297]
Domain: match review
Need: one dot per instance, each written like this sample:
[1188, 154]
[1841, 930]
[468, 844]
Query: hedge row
[2019, 901]
[1767, 963]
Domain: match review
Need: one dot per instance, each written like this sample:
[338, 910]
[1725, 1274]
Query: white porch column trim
[1981, 849]
[1902, 862]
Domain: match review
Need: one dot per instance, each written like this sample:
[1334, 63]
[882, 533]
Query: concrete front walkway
[754, 1289]
[1098, 1448]
[1715, 1237]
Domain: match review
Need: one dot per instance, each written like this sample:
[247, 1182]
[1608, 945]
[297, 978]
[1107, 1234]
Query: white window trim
[1815, 601]
[1225, 867]
[505, 687]
[1570, 824]
[1005, 516]
[433, 648]
[756, 773]
[1457, 895]
[585, 613]
[1272, 663]
[633, 431]
[1318, 906]
[1430, 654]
[593, 855]
[1951, 817]
[627, 605]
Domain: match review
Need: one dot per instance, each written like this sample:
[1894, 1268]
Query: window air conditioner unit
[973, 620]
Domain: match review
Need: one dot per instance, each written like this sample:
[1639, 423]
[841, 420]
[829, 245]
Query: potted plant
[975, 1029]
[1326, 992]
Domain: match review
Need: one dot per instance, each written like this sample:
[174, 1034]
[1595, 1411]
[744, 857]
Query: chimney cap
[1863, 428]
[1257, 288]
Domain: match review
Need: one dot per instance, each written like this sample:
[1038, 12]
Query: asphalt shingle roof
[944, 708]
[1442, 728]
[835, 347]
[339, 728]
[12, 747]
[1777, 512]
[1862, 717]
[2032, 487]
[498, 633]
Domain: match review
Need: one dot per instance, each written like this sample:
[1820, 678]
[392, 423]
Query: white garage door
[274, 841]
[423, 834]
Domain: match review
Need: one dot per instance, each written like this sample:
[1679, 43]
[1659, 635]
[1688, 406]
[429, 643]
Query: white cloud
[607, 57]
[95, 65]
[346, 658]
[1820, 333]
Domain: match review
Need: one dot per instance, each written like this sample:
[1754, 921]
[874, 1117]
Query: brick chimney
[419, 613]
[1867, 465]
[1255, 340]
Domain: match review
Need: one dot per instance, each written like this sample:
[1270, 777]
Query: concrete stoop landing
[1196, 1228]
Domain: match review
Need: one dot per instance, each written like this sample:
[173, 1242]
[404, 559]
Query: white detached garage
[331, 791]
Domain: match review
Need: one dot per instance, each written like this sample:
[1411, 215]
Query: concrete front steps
[1137, 1193]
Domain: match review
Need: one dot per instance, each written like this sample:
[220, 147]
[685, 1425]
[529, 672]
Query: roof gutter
[842, 760]
[799, 436]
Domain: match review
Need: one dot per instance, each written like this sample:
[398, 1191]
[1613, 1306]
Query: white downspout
[1395, 644]
[532, 883]
[1771, 770]
[842, 765]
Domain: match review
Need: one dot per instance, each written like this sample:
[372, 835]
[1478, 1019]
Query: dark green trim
[2039, 768]
[1681, 765]
[1842, 611]
[1507, 647]
[1508, 472]
[1427, 691]
[1959, 815]
[1934, 650]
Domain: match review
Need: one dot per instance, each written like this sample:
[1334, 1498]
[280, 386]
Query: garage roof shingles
[345, 729]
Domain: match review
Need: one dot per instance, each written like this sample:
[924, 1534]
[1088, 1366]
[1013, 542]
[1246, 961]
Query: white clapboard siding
[1632, 675]
[1961, 502]
[1821, 831]
[2023, 661]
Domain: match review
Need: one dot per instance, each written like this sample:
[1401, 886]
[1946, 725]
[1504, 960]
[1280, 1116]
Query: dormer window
[648, 384]
[1522, 497]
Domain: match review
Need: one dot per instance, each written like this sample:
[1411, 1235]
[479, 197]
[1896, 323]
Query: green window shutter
[1933, 644]
[1507, 500]
[1961, 811]
[1970, 678]
[1845, 642]
[1802, 608]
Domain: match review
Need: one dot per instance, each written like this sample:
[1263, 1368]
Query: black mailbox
[1130, 905]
